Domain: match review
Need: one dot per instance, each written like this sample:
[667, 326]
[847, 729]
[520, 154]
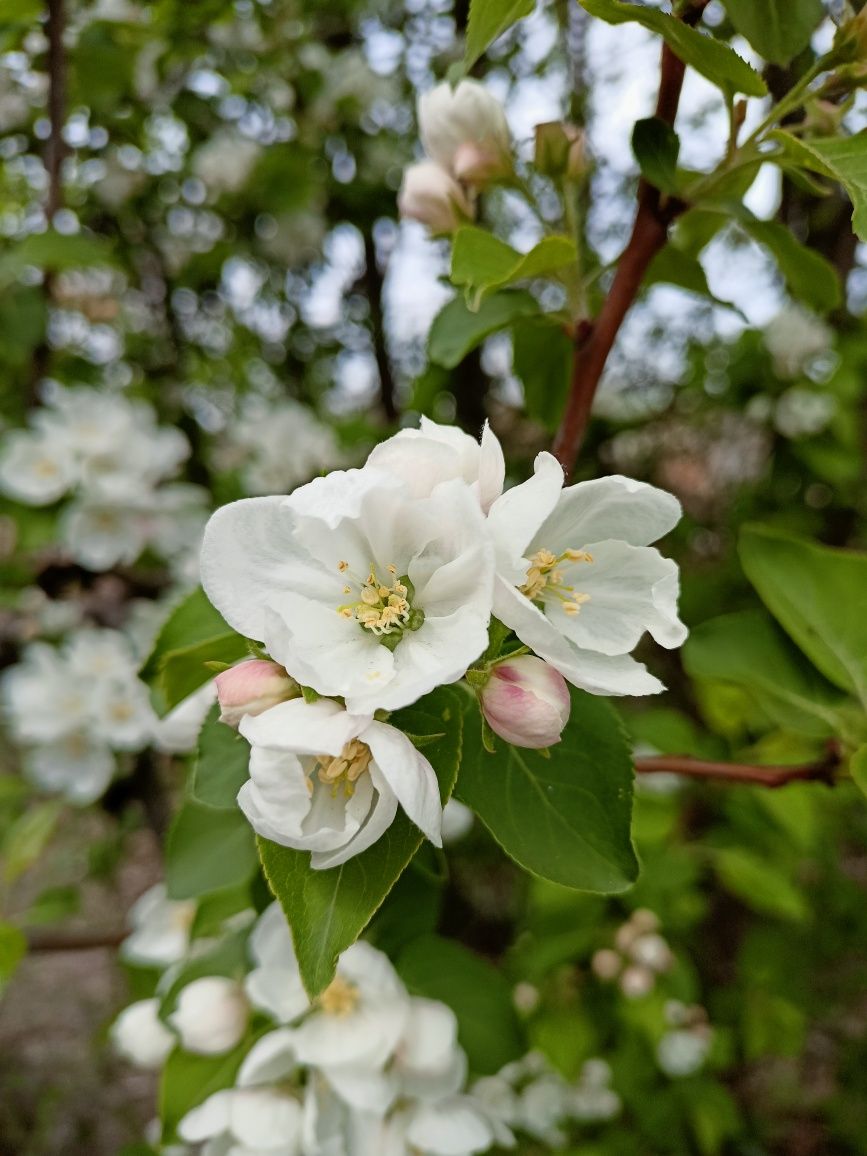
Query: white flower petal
[492, 468]
[363, 1088]
[261, 1118]
[301, 727]
[271, 1059]
[379, 819]
[612, 507]
[586, 669]
[409, 775]
[451, 1127]
[209, 1119]
[516, 517]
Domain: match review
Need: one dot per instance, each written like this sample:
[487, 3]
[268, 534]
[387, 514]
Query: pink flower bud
[431, 195]
[526, 702]
[251, 688]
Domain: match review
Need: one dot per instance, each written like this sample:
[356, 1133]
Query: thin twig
[595, 340]
[39, 940]
[822, 771]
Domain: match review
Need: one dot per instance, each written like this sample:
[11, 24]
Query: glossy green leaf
[478, 994]
[809, 276]
[26, 838]
[819, 597]
[749, 650]
[715, 61]
[193, 634]
[482, 262]
[456, 329]
[542, 359]
[565, 817]
[222, 758]
[208, 850]
[777, 29]
[656, 147]
[842, 158]
[489, 19]
[328, 910]
[54, 251]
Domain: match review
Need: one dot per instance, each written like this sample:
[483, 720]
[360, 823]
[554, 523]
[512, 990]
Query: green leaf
[858, 769]
[482, 262]
[656, 146]
[208, 850]
[542, 359]
[13, 948]
[672, 266]
[456, 329]
[715, 61]
[777, 29]
[188, 1080]
[749, 650]
[328, 910]
[222, 758]
[478, 994]
[565, 817]
[193, 635]
[843, 159]
[760, 884]
[26, 838]
[819, 597]
[54, 252]
[488, 19]
[809, 276]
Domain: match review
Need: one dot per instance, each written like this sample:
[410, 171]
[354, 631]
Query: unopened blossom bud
[464, 129]
[140, 1036]
[252, 687]
[431, 195]
[526, 702]
[636, 982]
[652, 951]
[211, 1016]
[560, 150]
[606, 964]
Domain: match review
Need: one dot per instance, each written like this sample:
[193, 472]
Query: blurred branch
[822, 771]
[39, 940]
[373, 282]
[594, 340]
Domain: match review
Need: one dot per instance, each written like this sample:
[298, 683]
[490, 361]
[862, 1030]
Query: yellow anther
[380, 608]
[545, 576]
[340, 998]
[342, 567]
[343, 770]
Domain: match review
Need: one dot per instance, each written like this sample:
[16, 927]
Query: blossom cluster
[365, 1068]
[468, 146]
[76, 706]
[372, 587]
[106, 453]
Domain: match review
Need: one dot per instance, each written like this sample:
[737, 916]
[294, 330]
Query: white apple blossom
[274, 984]
[72, 707]
[211, 1015]
[247, 1122]
[330, 782]
[140, 1036]
[431, 195]
[161, 926]
[36, 468]
[434, 453]
[356, 587]
[578, 582]
[464, 130]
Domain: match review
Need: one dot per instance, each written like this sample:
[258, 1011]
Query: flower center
[546, 578]
[382, 607]
[340, 998]
[345, 769]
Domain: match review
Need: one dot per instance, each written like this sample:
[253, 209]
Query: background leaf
[208, 850]
[457, 329]
[220, 769]
[565, 817]
[488, 19]
[777, 29]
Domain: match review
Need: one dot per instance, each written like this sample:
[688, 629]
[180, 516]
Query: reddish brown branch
[818, 772]
[47, 940]
[594, 342]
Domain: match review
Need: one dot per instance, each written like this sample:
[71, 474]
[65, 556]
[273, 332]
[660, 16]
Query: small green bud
[416, 618]
[560, 150]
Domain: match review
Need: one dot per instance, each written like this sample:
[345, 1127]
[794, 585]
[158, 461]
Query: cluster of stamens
[382, 607]
[343, 770]
[340, 998]
[545, 577]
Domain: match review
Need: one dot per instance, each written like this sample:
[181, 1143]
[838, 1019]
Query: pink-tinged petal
[526, 702]
[409, 775]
